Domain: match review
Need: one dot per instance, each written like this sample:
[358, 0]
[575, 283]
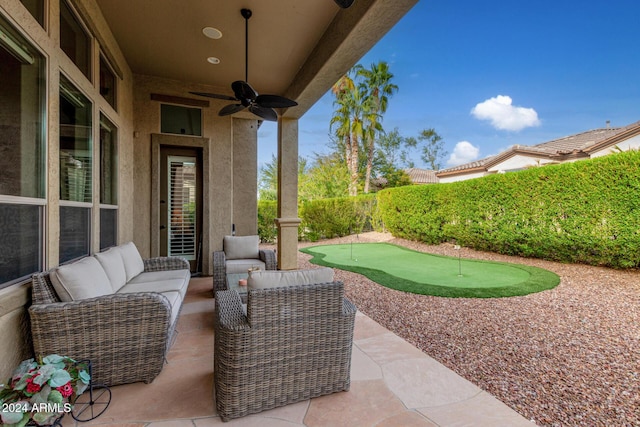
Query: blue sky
[488, 75]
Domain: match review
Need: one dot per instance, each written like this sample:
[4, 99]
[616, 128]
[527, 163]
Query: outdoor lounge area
[392, 384]
[127, 123]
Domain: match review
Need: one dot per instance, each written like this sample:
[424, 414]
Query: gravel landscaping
[564, 357]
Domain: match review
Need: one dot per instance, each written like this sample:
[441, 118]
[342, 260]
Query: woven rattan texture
[294, 344]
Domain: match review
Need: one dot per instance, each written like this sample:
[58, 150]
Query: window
[180, 120]
[36, 8]
[75, 172]
[108, 183]
[74, 40]
[22, 156]
[108, 162]
[108, 228]
[107, 83]
[75, 144]
[75, 231]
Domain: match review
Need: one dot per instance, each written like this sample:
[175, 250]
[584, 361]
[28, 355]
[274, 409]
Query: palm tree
[378, 88]
[349, 129]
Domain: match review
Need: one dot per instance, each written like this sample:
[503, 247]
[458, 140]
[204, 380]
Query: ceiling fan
[344, 3]
[260, 105]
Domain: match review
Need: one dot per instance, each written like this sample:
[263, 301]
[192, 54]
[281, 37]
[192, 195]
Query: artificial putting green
[420, 273]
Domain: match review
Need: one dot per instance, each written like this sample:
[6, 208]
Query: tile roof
[577, 143]
[422, 176]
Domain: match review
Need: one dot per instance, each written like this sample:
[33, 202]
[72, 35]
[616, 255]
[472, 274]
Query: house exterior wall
[230, 167]
[15, 299]
[626, 145]
[518, 162]
[460, 177]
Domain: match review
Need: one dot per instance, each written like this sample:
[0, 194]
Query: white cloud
[505, 116]
[464, 152]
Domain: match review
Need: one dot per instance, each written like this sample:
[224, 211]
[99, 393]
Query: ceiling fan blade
[215, 95]
[243, 91]
[231, 109]
[274, 101]
[344, 3]
[265, 113]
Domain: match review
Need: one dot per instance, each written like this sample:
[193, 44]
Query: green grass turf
[411, 271]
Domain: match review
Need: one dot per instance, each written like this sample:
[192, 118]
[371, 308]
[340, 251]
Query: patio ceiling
[297, 48]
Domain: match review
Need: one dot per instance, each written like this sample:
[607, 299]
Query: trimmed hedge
[582, 212]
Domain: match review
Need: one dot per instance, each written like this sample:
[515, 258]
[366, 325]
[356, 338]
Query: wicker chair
[293, 344]
[241, 260]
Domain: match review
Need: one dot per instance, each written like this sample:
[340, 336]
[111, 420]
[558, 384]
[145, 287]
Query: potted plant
[41, 392]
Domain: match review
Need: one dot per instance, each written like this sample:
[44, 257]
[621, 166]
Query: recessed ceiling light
[213, 60]
[212, 33]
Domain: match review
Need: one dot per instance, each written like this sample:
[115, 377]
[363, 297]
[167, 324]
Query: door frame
[158, 141]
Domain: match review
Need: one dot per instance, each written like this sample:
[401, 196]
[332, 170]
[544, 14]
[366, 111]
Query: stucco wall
[230, 185]
[15, 344]
[626, 145]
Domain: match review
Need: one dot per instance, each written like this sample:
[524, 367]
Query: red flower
[32, 387]
[65, 390]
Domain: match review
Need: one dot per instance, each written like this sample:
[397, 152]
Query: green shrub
[328, 218]
[267, 213]
[581, 212]
[324, 218]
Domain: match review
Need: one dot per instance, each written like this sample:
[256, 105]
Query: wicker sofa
[113, 308]
[239, 254]
[291, 342]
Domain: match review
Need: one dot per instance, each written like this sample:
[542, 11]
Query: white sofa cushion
[82, 279]
[276, 279]
[133, 263]
[243, 265]
[241, 247]
[113, 264]
[160, 285]
[155, 276]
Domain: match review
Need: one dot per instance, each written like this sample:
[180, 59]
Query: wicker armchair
[108, 329]
[242, 259]
[293, 344]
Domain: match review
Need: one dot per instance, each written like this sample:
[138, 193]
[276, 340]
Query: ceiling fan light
[212, 33]
[213, 60]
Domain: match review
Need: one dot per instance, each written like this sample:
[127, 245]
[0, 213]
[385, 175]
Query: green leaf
[54, 359]
[84, 377]
[43, 418]
[59, 378]
[55, 397]
[11, 417]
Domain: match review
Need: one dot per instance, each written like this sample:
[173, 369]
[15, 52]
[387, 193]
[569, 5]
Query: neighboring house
[585, 145]
[422, 176]
[417, 177]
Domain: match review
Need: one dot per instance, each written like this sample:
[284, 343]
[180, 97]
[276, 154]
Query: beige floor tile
[366, 328]
[180, 391]
[482, 410]
[250, 421]
[388, 347]
[424, 382]
[366, 404]
[294, 412]
[173, 423]
[407, 419]
[363, 368]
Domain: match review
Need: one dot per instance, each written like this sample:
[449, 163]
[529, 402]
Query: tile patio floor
[392, 384]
